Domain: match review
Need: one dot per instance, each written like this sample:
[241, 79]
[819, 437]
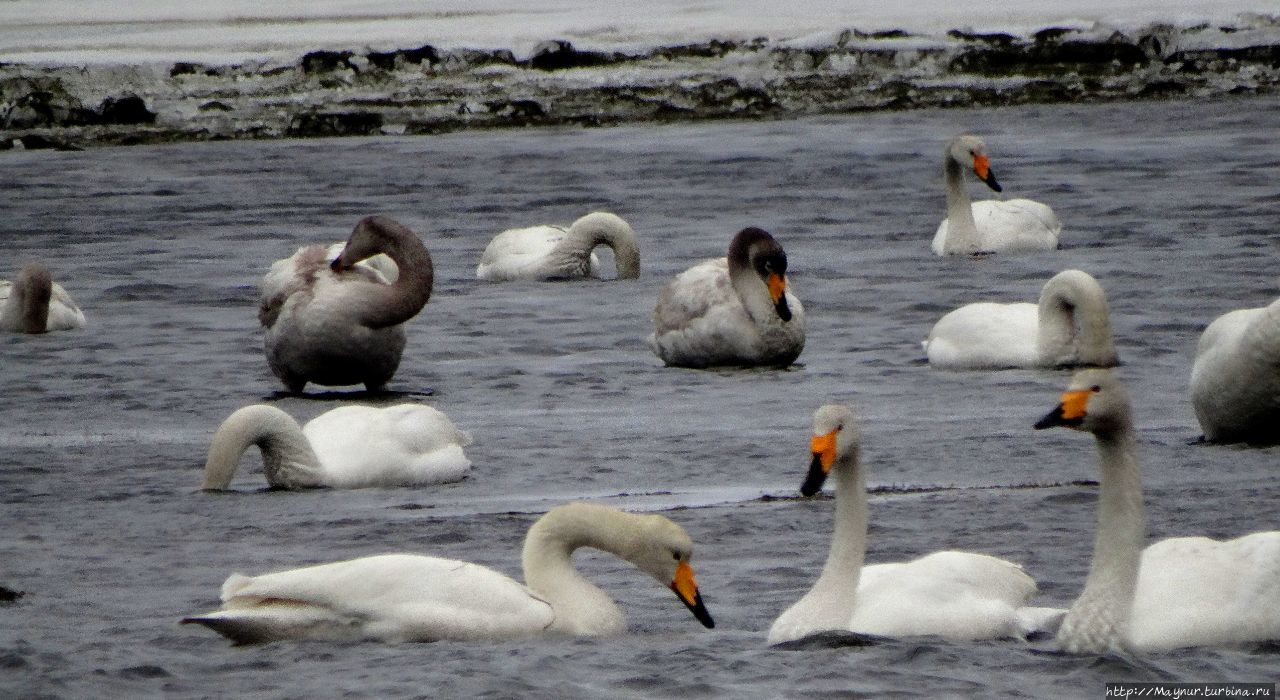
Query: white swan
[736, 310]
[1235, 381]
[34, 303]
[1070, 326]
[338, 323]
[1179, 592]
[957, 595]
[989, 226]
[348, 447]
[557, 253]
[407, 597]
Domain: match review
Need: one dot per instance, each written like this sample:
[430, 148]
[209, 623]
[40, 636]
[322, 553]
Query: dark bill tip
[784, 311]
[990, 179]
[1054, 419]
[816, 477]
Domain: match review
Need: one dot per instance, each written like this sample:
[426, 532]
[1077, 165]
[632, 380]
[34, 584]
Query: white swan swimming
[557, 253]
[338, 323]
[348, 447]
[1070, 326]
[1179, 592]
[957, 595]
[1235, 381]
[34, 303]
[736, 310]
[408, 597]
[988, 226]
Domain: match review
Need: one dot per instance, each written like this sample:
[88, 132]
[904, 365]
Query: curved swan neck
[1074, 322]
[287, 457]
[1097, 621]
[601, 228]
[843, 568]
[747, 252]
[392, 304]
[962, 230]
[30, 297]
[549, 572]
[1263, 335]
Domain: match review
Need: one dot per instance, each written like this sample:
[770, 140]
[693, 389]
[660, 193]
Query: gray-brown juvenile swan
[958, 595]
[34, 303]
[556, 253]
[409, 597]
[1178, 592]
[736, 310]
[349, 447]
[988, 226]
[338, 323]
[1069, 327]
[1235, 381]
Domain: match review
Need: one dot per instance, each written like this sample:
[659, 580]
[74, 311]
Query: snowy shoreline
[429, 89]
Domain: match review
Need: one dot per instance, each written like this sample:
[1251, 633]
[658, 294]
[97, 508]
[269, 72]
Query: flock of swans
[334, 315]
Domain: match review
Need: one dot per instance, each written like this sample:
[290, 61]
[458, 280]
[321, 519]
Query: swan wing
[392, 597]
[408, 444]
[529, 254]
[63, 312]
[1015, 225]
[958, 595]
[985, 335]
[1196, 591]
[699, 321]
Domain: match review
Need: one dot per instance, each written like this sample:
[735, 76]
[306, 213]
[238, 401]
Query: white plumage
[558, 253]
[1235, 381]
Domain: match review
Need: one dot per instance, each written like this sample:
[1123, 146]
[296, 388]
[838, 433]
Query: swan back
[1235, 381]
[408, 444]
[287, 458]
[1074, 322]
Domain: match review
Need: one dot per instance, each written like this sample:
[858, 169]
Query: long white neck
[962, 230]
[754, 293]
[1074, 323]
[287, 457]
[838, 583]
[602, 228]
[580, 606]
[1097, 621]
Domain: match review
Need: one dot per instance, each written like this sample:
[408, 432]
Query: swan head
[754, 249]
[969, 150]
[34, 289]
[372, 235]
[1095, 401]
[835, 437]
[665, 555]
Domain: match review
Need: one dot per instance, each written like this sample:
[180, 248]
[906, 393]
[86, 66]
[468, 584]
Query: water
[1171, 205]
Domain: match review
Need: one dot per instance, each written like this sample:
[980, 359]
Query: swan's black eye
[1096, 388]
[675, 555]
[840, 427]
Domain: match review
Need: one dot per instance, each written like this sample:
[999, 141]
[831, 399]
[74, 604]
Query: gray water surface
[1171, 205]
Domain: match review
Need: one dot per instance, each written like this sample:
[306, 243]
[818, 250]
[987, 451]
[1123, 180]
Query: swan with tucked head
[989, 226]
[408, 597]
[557, 253]
[737, 310]
[957, 595]
[338, 322]
[1069, 327]
[34, 303]
[1235, 381]
[348, 447]
[1178, 592]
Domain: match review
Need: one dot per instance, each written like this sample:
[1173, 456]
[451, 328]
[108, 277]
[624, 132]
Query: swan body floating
[957, 595]
[1070, 326]
[1179, 592]
[557, 253]
[1235, 381]
[338, 322]
[408, 597]
[989, 226]
[736, 310]
[34, 303]
[348, 447]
